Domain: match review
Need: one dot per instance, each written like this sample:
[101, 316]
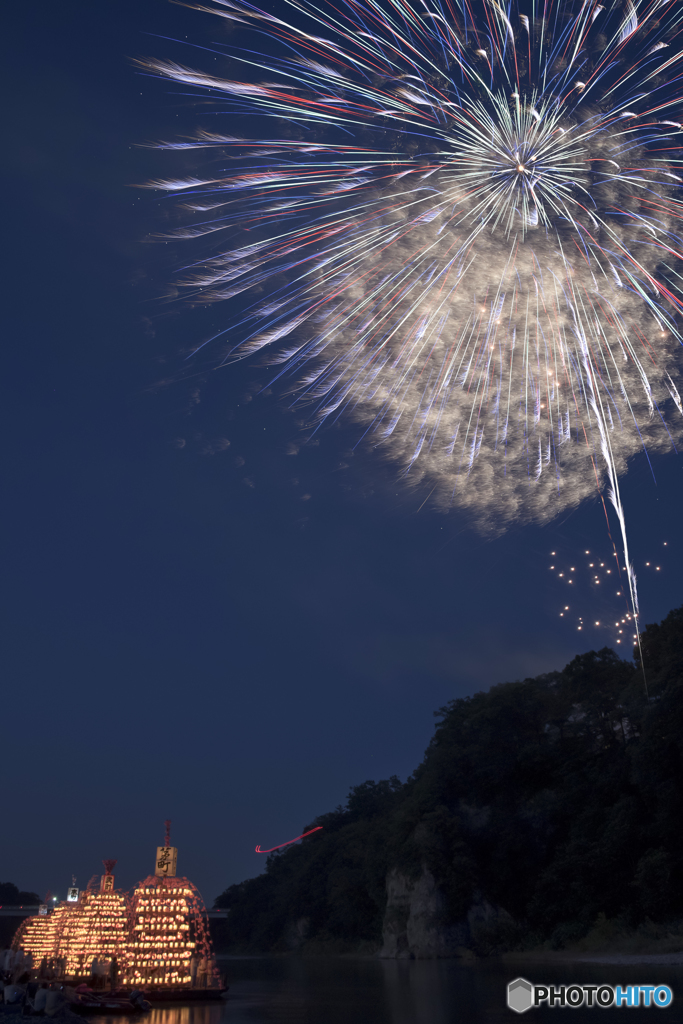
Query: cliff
[540, 807]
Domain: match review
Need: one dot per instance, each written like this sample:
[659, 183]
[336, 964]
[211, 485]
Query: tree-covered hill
[11, 896]
[539, 805]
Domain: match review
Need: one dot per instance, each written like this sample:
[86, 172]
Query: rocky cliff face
[296, 933]
[415, 922]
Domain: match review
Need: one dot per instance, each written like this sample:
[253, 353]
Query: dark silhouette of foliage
[556, 799]
[10, 896]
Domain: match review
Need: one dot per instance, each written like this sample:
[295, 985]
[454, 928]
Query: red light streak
[259, 850]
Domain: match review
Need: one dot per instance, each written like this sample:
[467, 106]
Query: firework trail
[457, 224]
[289, 841]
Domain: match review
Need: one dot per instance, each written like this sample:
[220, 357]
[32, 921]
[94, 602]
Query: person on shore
[113, 973]
[71, 994]
[211, 973]
[137, 998]
[17, 966]
[15, 994]
[55, 1001]
[102, 975]
[202, 972]
[40, 998]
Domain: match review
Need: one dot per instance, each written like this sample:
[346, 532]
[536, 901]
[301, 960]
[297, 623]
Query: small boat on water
[120, 1002]
[108, 1004]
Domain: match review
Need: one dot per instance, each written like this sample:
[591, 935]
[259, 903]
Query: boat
[104, 1004]
[119, 1002]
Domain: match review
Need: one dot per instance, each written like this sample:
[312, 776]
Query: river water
[327, 990]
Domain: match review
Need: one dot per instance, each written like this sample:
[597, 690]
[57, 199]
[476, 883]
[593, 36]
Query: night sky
[229, 635]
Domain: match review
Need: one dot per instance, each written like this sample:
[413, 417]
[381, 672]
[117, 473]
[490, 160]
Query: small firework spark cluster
[468, 231]
[597, 580]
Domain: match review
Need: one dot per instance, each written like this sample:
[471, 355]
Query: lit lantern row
[169, 934]
[163, 940]
[38, 935]
[97, 927]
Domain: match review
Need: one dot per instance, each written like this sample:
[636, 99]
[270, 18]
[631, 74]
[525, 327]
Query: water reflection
[292, 990]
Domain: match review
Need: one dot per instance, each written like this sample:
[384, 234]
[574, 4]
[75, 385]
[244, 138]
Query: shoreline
[578, 957]
[545, 956]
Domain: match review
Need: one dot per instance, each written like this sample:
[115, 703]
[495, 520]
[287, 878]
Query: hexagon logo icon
[520, 995]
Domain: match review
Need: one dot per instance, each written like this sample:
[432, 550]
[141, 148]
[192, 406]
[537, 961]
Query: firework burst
[459, 227]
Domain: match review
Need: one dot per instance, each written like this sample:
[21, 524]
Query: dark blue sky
[231, 636]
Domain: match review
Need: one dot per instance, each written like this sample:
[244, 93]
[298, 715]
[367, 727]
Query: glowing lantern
[37, 935]
[96, 929]
[169, 944]
[77, 932]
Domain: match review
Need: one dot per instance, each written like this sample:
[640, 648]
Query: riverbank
[12, 1015]
[611, 942]
[546, 956]
[565, 956]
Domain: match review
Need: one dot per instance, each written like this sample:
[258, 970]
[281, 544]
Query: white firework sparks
[474, 252]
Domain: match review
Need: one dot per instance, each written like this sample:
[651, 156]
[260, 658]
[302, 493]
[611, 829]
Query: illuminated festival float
[90, 925]
[39, 935]
[169, 946]
[96, 928]
[157, 941]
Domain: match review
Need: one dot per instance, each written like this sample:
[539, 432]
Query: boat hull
[157, 997]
